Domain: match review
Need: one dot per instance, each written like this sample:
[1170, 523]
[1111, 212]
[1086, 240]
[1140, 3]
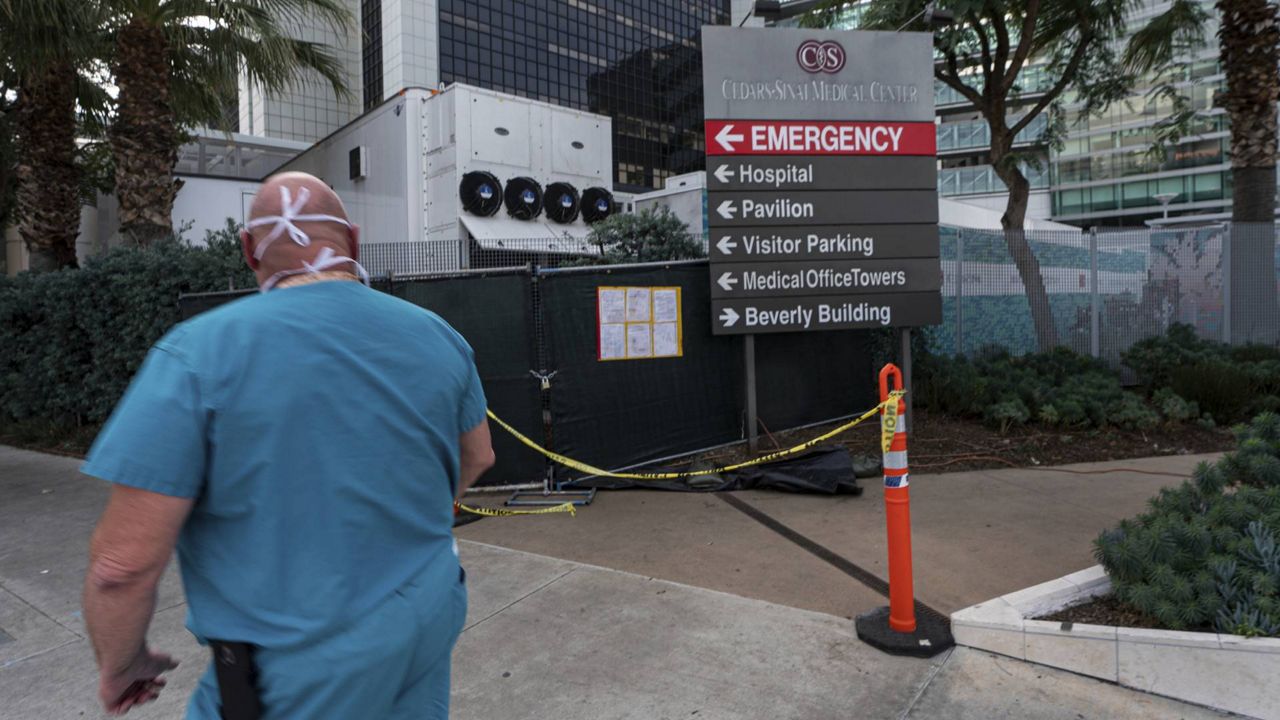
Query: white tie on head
[290, 213]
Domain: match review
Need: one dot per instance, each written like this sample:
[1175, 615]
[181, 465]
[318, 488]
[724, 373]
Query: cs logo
[825, 56]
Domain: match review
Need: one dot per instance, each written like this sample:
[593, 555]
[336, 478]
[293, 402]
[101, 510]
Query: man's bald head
[283, 253]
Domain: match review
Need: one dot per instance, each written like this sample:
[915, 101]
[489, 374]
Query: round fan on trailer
[523, 198]
[481, 193]
[561, 203]
[597, 204]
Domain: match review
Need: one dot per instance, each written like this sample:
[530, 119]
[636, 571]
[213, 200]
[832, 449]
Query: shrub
[70, 341]
[647, 236]
[1227, 383]
[1206, 554]
[1155, 359]
[1174, 408]
[1058, 388]
[1220, 388]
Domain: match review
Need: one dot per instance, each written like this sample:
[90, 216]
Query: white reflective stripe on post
[895, 460]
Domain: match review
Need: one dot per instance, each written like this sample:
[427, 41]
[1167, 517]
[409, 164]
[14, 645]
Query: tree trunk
[144, 136]
[1014, 221]
[48, 195]
[1249, 38]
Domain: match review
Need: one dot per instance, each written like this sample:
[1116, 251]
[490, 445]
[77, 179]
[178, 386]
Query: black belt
[237, 680]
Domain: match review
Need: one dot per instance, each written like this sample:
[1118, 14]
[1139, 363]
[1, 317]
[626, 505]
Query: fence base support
[932, 634]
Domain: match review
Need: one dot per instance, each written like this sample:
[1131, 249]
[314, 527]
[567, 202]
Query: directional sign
[830, 312]
[822, 173]
[824, 242]
[761, 137]
[823, 278]
[822, 207]
[822, 180]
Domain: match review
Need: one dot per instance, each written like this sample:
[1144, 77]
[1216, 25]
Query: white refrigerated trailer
[465, 178]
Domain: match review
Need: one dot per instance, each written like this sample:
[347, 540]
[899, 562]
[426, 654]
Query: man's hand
[138, 684]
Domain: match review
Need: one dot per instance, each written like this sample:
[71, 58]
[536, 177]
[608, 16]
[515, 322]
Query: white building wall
[411, 45]
[1039, 203]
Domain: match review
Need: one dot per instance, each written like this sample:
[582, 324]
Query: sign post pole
[753, 421]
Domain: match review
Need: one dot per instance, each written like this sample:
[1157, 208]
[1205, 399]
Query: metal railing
[1109, 290]
[977, 134]
[982, 179]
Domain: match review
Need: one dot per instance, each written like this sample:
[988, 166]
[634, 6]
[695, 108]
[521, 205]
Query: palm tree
[176, 61]
[1250, 54]
[1249, 38]
[44, 50]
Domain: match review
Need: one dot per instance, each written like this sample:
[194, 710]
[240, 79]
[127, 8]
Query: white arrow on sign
[729, 317]
[724, 174]
[727, 137]
[727, 281]
[726, 245]
[727, 210]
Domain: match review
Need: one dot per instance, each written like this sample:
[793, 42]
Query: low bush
[1057, 388]
[1207, 553]
[70, 341]
[1227, 383]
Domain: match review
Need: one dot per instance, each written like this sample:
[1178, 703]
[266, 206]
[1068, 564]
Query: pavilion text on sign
[822, 180]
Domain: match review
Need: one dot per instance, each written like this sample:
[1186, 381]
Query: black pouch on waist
[237, 680]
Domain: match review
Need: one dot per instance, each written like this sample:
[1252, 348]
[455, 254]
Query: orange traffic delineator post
[894, 629]
[897, 504]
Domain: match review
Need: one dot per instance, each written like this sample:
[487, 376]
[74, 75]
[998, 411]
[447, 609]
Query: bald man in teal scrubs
[302, 449]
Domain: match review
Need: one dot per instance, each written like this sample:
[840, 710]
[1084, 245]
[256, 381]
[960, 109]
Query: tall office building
[637, 61]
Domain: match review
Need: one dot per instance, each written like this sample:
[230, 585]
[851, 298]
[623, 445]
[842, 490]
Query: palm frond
[1165, 37]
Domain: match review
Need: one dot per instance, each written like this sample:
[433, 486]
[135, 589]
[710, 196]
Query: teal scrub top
[317, 428]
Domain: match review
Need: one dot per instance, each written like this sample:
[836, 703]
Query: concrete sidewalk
[552, 638]
[975, 535]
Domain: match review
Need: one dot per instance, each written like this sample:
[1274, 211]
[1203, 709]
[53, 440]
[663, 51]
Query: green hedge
[70, 341]
[1228, 383]
[1056, 389]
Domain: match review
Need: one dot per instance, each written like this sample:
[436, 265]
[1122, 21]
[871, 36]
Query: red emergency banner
[808, 137]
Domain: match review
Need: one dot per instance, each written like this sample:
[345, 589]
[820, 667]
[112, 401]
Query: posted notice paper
[666, 305]
[613, 341]
[637, 323]
[639, 340]
[613, 305]
[639, 301]
[666, 340]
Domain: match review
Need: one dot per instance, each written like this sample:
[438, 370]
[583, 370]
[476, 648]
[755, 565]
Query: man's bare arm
[128, 554]
[477, 456]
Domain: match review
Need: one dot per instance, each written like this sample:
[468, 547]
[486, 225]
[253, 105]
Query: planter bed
[1227, 672]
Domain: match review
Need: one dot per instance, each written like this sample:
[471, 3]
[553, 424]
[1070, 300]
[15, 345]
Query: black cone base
[932, 635]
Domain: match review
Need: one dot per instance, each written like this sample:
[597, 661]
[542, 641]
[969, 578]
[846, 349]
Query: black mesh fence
[538, 349]
[619, 413]
[494, 312]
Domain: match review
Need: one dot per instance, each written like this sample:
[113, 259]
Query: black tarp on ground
[618, 413]
[828, 470]
[494, 313]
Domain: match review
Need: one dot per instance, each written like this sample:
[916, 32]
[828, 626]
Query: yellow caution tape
[889, 426]
[499, 512]
[600, 472]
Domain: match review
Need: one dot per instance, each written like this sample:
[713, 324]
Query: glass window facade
[637, 61]
[371, 51]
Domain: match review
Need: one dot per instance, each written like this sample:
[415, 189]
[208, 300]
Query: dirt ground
[1106, 610]
[940, 444]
